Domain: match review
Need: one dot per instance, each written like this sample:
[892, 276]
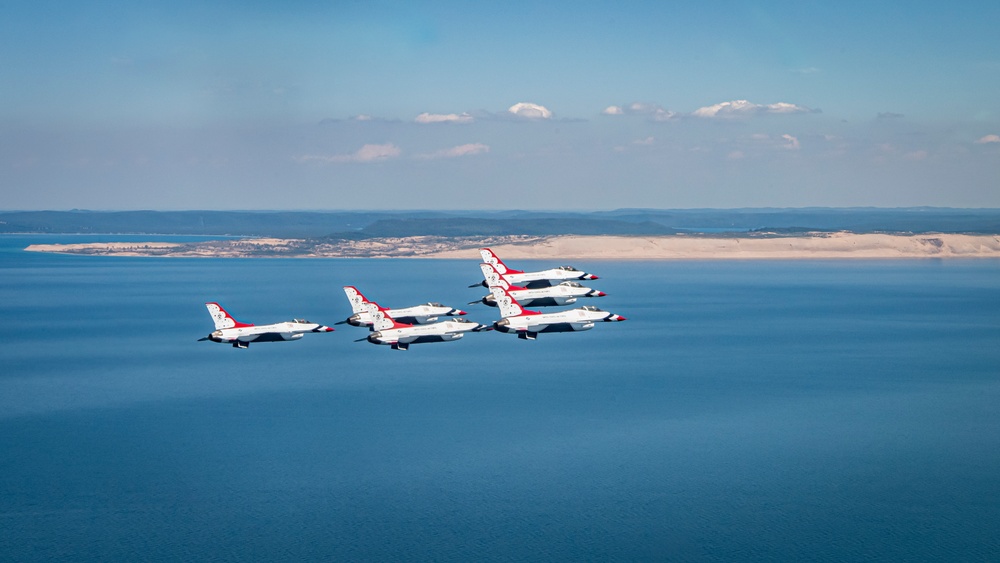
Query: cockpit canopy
[568, 268]
[571, 284]
[432, 304]
[592, 308]
[301, 321]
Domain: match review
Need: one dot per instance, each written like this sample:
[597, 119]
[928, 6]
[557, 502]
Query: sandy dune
[673, 247]
[682, 247]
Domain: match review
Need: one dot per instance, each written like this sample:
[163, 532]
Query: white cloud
[790, 142]
[713, 111]
[988, 139]
[647, 141]
[663, 115]
[737, 108]
[529, 110]
[642, 108]
[793, 142]
[443, 118]
[783, 107]
[654, 111]
[367, 153]
[455, 152]
[363, 117]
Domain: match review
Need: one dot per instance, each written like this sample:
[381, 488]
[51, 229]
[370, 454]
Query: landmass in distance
[638, 234]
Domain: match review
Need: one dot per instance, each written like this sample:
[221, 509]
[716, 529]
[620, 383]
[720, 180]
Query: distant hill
[866, 219]
[468, 227]
[373, 224]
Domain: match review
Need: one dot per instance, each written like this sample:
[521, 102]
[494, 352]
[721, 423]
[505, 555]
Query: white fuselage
[565, 293]
[545, 278]
[443, 331]
[529, 324]
[277, 332]
[418, 314]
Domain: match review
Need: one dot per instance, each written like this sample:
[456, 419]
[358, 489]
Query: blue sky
[456, 105]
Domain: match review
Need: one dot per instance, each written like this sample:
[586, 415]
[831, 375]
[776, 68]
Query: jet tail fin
[491, 258]
[380, 319]
[509, 307]
[493, 277]
[356, 298]
[222, 318]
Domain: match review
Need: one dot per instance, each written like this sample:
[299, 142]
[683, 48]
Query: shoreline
[843, 245]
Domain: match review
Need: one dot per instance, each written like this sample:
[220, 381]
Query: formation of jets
[563, 293]
[510, 291]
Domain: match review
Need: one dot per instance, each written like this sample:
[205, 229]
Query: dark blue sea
[763, 410]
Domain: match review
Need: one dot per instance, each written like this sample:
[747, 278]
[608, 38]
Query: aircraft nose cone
[591, 277]
[460, 313]
[601, 294]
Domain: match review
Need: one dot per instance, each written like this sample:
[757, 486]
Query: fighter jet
[386, 330]
[240, 335]
[527, 324]
[565, 293]
[418, 314]
[531, 280]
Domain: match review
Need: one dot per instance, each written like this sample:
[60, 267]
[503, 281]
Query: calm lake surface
[766, 410]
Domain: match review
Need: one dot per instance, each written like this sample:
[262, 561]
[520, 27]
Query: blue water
[817, 410]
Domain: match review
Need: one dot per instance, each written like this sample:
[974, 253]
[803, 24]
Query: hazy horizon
[514, 209]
